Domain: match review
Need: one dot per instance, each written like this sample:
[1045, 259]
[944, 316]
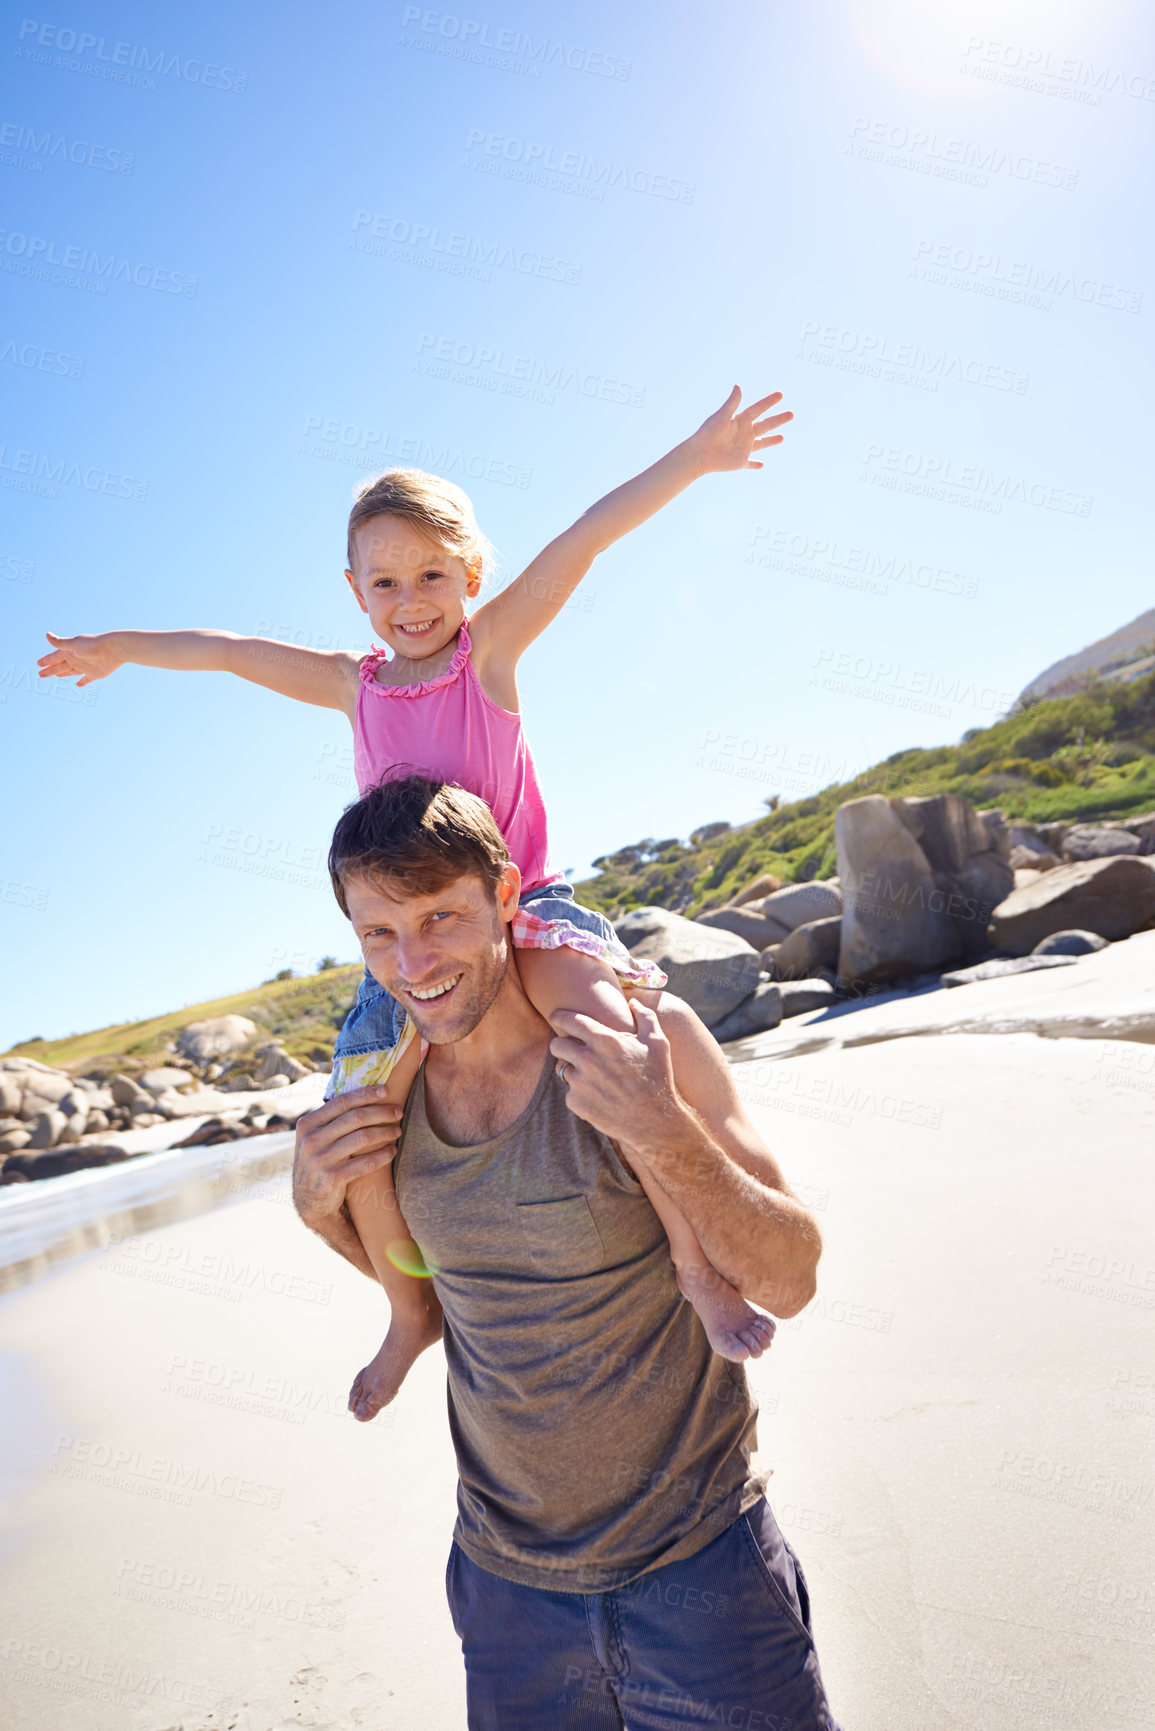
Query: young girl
[445, 704]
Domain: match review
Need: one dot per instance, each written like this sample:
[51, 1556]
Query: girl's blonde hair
[435, 508]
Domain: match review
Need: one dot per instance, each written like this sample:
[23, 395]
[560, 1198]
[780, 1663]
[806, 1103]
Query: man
[614, 1562]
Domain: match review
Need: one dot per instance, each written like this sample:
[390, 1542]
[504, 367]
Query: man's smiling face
[442, 956]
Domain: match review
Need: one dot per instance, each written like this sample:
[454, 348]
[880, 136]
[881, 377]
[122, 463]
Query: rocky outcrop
[712, 969]
[920, 879]
[763, 886]
[1098, 841]
[1071, 943]
[1112, 897]
[761, 1011]
[748, 922]
[1033, 859]
[799, 997]
[801, 904]
[1000, 966]
[809, 950]
[45, 1111]
[218, 1037]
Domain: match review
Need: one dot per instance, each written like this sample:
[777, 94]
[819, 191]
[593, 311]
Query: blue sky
[248, 261]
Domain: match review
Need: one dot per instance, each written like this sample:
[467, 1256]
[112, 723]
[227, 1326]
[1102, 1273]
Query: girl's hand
[727, 438]
[86, 658]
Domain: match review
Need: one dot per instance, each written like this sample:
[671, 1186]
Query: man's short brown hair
[418, 836]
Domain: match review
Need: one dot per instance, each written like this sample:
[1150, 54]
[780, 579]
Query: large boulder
[749, 923]
[999, 830]
[920, 879]
[1098, 841]
[218, 1037]
[46, 1129]
[799, 997]
[807, 950]
[760, 1012]
[161, 1081]
[45, 1084]
[1000, 966]
[763, 886]
[57, 1163]
[1144, 827]
[10, 1092]
[14, 1137]
[126, 1092]
[799, 904]
[272, 1061]
[1033, 859]
[712, 969]
[1112, 897]
[1071, 943]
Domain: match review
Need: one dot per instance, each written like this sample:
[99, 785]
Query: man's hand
[622, 1084]
[344, 1139]
[727, 440]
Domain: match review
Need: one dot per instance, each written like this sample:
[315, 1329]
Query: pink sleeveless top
[449, 729]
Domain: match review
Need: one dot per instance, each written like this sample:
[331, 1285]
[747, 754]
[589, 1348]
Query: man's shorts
[722, 1638]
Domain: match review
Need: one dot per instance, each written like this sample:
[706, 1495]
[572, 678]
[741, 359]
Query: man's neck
[477, 1087]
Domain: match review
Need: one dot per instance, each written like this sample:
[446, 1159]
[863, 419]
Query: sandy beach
[959, 1426]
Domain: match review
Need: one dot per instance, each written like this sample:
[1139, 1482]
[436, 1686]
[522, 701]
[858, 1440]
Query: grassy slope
[300, 1013]
[1031, 764]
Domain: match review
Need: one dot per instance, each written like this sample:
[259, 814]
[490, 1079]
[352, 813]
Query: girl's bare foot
[735, 1329]
[408, 1336]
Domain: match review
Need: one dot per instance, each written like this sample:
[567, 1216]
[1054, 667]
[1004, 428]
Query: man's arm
[698, 1142]
[342, 1140]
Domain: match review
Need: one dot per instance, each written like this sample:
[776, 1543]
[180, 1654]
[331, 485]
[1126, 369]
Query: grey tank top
[597, 1434]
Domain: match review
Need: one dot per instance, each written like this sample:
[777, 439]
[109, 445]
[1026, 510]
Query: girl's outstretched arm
[324, 677]
[727, 439]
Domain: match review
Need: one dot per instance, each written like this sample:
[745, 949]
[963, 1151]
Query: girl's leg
[565, 979]
[414, 1308]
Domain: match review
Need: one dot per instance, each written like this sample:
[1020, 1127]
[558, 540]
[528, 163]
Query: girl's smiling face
[413, 591]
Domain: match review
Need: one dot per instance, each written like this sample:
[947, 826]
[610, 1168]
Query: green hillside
[300, 1013]
[1082, 757]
